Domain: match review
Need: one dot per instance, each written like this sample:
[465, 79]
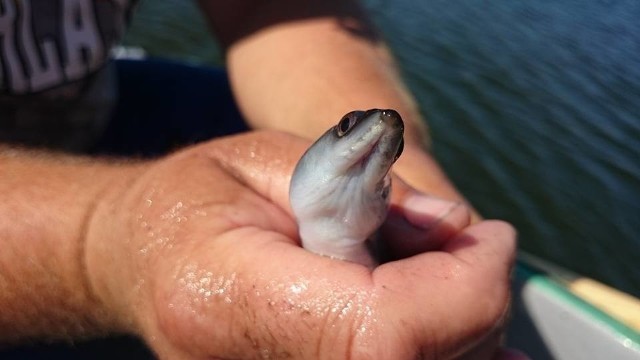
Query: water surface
[534, 109]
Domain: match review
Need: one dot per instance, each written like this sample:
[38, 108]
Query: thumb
[419, 222]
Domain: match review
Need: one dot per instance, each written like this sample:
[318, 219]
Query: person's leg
[101, 349]
[165, 104]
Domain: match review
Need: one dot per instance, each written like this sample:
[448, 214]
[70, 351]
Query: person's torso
[54, 78]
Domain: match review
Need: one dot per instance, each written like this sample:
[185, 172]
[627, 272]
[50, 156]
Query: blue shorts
[163, 105]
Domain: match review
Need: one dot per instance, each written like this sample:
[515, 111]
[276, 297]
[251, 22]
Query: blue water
[534, 109]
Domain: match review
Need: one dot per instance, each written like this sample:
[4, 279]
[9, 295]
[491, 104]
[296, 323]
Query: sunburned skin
[340, 188]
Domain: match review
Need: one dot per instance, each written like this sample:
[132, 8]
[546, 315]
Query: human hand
[200, 257]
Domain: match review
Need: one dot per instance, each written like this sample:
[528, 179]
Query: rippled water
[534, 109]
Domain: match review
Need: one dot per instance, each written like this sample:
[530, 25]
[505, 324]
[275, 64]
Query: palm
[224, 276]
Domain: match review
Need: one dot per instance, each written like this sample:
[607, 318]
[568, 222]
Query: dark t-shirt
[56, 85]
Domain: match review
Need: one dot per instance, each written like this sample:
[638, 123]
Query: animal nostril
[391, 113]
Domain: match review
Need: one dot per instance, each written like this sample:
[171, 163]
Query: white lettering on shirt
[82, 42]
[69, 50]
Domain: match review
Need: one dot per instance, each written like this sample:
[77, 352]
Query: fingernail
[424, 211]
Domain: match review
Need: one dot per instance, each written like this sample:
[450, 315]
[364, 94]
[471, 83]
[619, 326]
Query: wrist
[109, 250]
[45, 290]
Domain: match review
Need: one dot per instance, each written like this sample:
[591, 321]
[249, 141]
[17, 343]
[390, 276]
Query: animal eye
[344, 124]
[347, 122]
